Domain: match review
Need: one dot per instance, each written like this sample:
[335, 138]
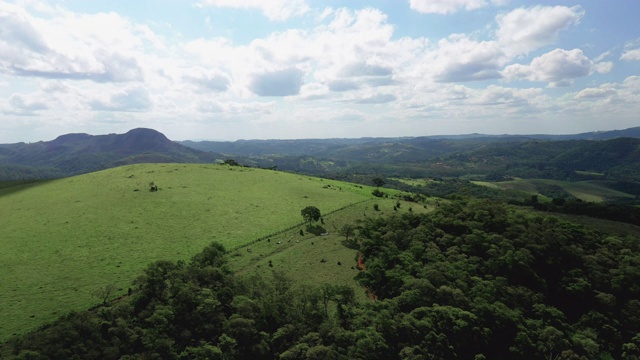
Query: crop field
[592, 191]
[64, 240]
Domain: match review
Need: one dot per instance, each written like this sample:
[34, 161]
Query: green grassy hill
[64, 240]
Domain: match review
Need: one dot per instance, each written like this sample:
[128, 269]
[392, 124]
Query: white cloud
[375, 99]
[558, 67]
[100, 47]
[25, 105]
[450, 6]
[631, 55]
[212, 80]
[284, 82]
[131, 99]
[526, 29]
[595, 93]
[232, 107]
[275, 10]
[459, 58]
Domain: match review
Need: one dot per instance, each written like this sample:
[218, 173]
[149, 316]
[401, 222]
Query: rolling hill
[63, 240]
[73, 154]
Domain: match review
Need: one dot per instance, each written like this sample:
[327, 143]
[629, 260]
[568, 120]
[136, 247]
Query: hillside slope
[73, 154]
[63, 240]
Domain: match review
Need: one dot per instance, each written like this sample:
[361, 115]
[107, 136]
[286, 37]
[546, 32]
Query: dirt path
[361, 266]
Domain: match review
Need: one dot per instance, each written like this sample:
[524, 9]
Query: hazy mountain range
[72, 154]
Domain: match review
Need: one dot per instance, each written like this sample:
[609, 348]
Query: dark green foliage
[347, 231]
[378, 182]
[377, 193]
[231, 162]
[506, 285]
[310, 214]
[316, 230]
[472, 280]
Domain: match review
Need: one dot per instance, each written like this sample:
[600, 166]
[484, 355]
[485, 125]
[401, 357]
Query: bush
[316, 230]
[377, 193]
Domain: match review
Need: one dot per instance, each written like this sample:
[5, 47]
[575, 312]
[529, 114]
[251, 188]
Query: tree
[347, 230]
[378, 182]
[310, 214]
[231, 162]
[105, 293]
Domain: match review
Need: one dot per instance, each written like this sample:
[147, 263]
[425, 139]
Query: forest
[474, 279]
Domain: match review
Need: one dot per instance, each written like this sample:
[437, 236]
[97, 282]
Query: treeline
[477, 280]
[474, 280]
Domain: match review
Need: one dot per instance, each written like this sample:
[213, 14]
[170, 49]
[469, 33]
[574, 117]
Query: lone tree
[347, 231]
[310, 214]
[378, 182]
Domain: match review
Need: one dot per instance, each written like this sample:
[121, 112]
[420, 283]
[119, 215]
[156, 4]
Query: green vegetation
[593, 191]
[63, 240]
[472, 280]
[360, 272]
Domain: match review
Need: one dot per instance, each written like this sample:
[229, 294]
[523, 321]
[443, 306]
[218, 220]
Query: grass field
[592, 191]
[301, 257]
[63, 240]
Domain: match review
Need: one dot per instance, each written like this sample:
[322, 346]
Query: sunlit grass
[64, 239]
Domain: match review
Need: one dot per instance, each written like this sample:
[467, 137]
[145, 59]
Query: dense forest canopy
[473, 280]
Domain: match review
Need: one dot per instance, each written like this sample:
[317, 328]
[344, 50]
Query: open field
[63, 240]
[593, 191]
[301, 257]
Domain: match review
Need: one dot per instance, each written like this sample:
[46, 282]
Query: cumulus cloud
[24, 105]
[277, 83]
[232, 107]
[459, 58]
[209, 81]
[499, 95]
[275, 10]
[16, 28]
[595, 93]
[131, 99]
[343, 85]
[526, 29]
[68, 46]
[364, 69]
[631, 55]
[558, 67]
[450, 6]
[376, 99]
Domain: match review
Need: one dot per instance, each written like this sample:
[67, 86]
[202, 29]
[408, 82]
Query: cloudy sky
[257, 69]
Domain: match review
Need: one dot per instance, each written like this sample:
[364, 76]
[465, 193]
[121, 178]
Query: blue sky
[257, 69]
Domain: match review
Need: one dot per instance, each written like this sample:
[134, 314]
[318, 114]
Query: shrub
[316, 230]
[377, 193]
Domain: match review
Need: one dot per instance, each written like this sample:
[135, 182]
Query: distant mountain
[549, 156]
[602, 155]
[385, 149]
[73, 154]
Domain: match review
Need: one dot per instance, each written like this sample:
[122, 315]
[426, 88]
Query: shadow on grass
[13, 186]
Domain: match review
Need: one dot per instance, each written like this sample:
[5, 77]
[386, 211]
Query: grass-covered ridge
[63, 240]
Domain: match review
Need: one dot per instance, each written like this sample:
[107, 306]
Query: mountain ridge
[76, 153]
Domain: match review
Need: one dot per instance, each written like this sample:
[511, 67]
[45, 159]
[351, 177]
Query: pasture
[593, 191]
[313, 259]
[64, 240]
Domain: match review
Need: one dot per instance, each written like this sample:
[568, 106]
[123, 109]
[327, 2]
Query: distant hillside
[568, 159]
[73, 154]
[547, 156]
[361, 148]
